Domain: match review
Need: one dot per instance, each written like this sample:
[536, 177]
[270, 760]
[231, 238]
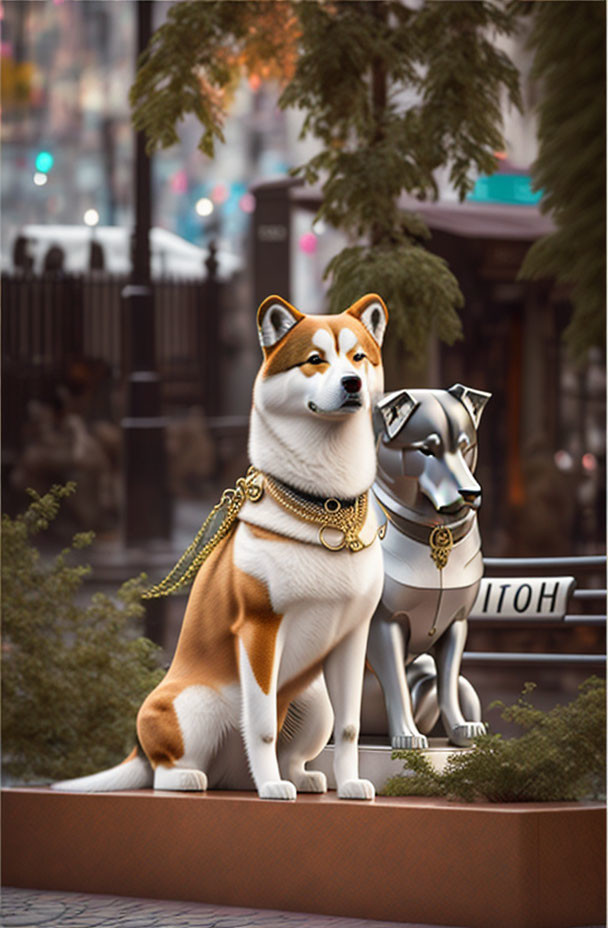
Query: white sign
[523, 598]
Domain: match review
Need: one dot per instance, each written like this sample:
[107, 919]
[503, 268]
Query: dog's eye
[359, 356]
[315, 359]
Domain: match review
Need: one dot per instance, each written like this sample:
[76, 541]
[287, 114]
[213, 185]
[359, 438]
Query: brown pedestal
[412, 860]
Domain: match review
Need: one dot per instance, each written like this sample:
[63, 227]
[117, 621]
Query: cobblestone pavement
[31, 908]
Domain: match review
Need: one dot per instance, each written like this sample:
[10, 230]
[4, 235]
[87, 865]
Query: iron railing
[549, 568]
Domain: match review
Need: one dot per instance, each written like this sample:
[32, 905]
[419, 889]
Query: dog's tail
[133, 773]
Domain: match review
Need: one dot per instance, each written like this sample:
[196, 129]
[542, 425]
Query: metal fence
[53, 321]
[579, 607]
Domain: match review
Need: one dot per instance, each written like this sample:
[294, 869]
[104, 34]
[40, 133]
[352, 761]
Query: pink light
[6, 50]
[308, 243]
[179, 182]
[247, 203]
[57, 2]
[589, 462]
[220, 194]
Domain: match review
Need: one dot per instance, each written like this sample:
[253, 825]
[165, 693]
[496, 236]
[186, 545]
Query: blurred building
[68, 149]
[68, 141]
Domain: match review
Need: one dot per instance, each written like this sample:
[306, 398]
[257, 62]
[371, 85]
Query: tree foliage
[391, 94]
[569, 42]
[560, 756]
[196, 58]
[73, 675]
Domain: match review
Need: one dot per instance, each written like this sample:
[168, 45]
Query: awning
[467, 220]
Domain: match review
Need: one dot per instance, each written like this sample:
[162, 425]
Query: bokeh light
[44, 161]
[308, 243]
[91, 217]
[563, 460]
[589, 462]
[247, 203]
[220, 194]
[179, 182]
[204, 206]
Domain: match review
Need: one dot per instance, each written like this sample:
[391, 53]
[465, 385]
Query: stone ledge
[401, 859]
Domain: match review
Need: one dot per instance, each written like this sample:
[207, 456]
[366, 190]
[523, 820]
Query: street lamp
[147, 507]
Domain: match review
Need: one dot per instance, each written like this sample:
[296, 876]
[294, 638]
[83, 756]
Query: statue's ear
[394, 410]
[275, 318]
[473, 400]
[372, 312]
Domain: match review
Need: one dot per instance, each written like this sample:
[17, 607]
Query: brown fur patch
[131, 756]
[270, 301]
[361, 305]
[296, 347]
[349, 733]
[257, 627]
[265, 534]
[224, 602]
[294, 687]
[158, 727]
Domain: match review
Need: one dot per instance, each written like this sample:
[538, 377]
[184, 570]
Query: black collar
[310, 498]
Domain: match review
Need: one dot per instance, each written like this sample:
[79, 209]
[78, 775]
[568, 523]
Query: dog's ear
[393, 411]
[372, 312]
[473, 400]
[275, 318]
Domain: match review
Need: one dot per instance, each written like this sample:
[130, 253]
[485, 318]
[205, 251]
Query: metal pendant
[441, 541]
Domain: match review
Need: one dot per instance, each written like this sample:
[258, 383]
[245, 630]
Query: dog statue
[426, 492]
[271, 654]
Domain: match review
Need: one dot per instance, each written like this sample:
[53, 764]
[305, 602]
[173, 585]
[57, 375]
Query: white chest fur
[322, 595]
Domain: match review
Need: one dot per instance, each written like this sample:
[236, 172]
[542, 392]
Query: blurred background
[150, 418]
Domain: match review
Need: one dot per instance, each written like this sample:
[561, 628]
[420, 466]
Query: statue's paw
[311, 781]
[277, 789]
[174, 778]
[356, 789]
[463, 735]
[405, 742]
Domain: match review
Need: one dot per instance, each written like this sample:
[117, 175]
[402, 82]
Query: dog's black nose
[351, 383]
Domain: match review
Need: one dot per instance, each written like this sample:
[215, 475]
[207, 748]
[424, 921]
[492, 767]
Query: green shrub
[73, 675]
[560, 756]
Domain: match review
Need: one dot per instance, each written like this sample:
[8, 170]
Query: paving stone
[38, 909]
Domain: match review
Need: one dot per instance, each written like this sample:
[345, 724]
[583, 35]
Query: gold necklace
[218, 524]
[331, 514]
[328, 514]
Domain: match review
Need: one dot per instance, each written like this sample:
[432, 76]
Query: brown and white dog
[272, 649]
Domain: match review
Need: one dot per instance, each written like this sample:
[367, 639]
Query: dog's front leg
[344, 669]
[386, 653]
[448, 656]
[259, 726]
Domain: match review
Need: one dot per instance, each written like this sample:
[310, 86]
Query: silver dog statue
[427, 494]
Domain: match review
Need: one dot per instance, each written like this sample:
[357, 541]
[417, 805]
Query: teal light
[505, 188]
[44, 161]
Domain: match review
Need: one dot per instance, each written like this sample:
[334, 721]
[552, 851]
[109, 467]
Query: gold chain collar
[330, 514]
[221, 521]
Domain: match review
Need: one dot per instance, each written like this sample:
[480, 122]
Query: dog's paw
[311, 781]
[277, 789]
[406, 742]
[462, 735]
[174, 778]
[356, 789]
